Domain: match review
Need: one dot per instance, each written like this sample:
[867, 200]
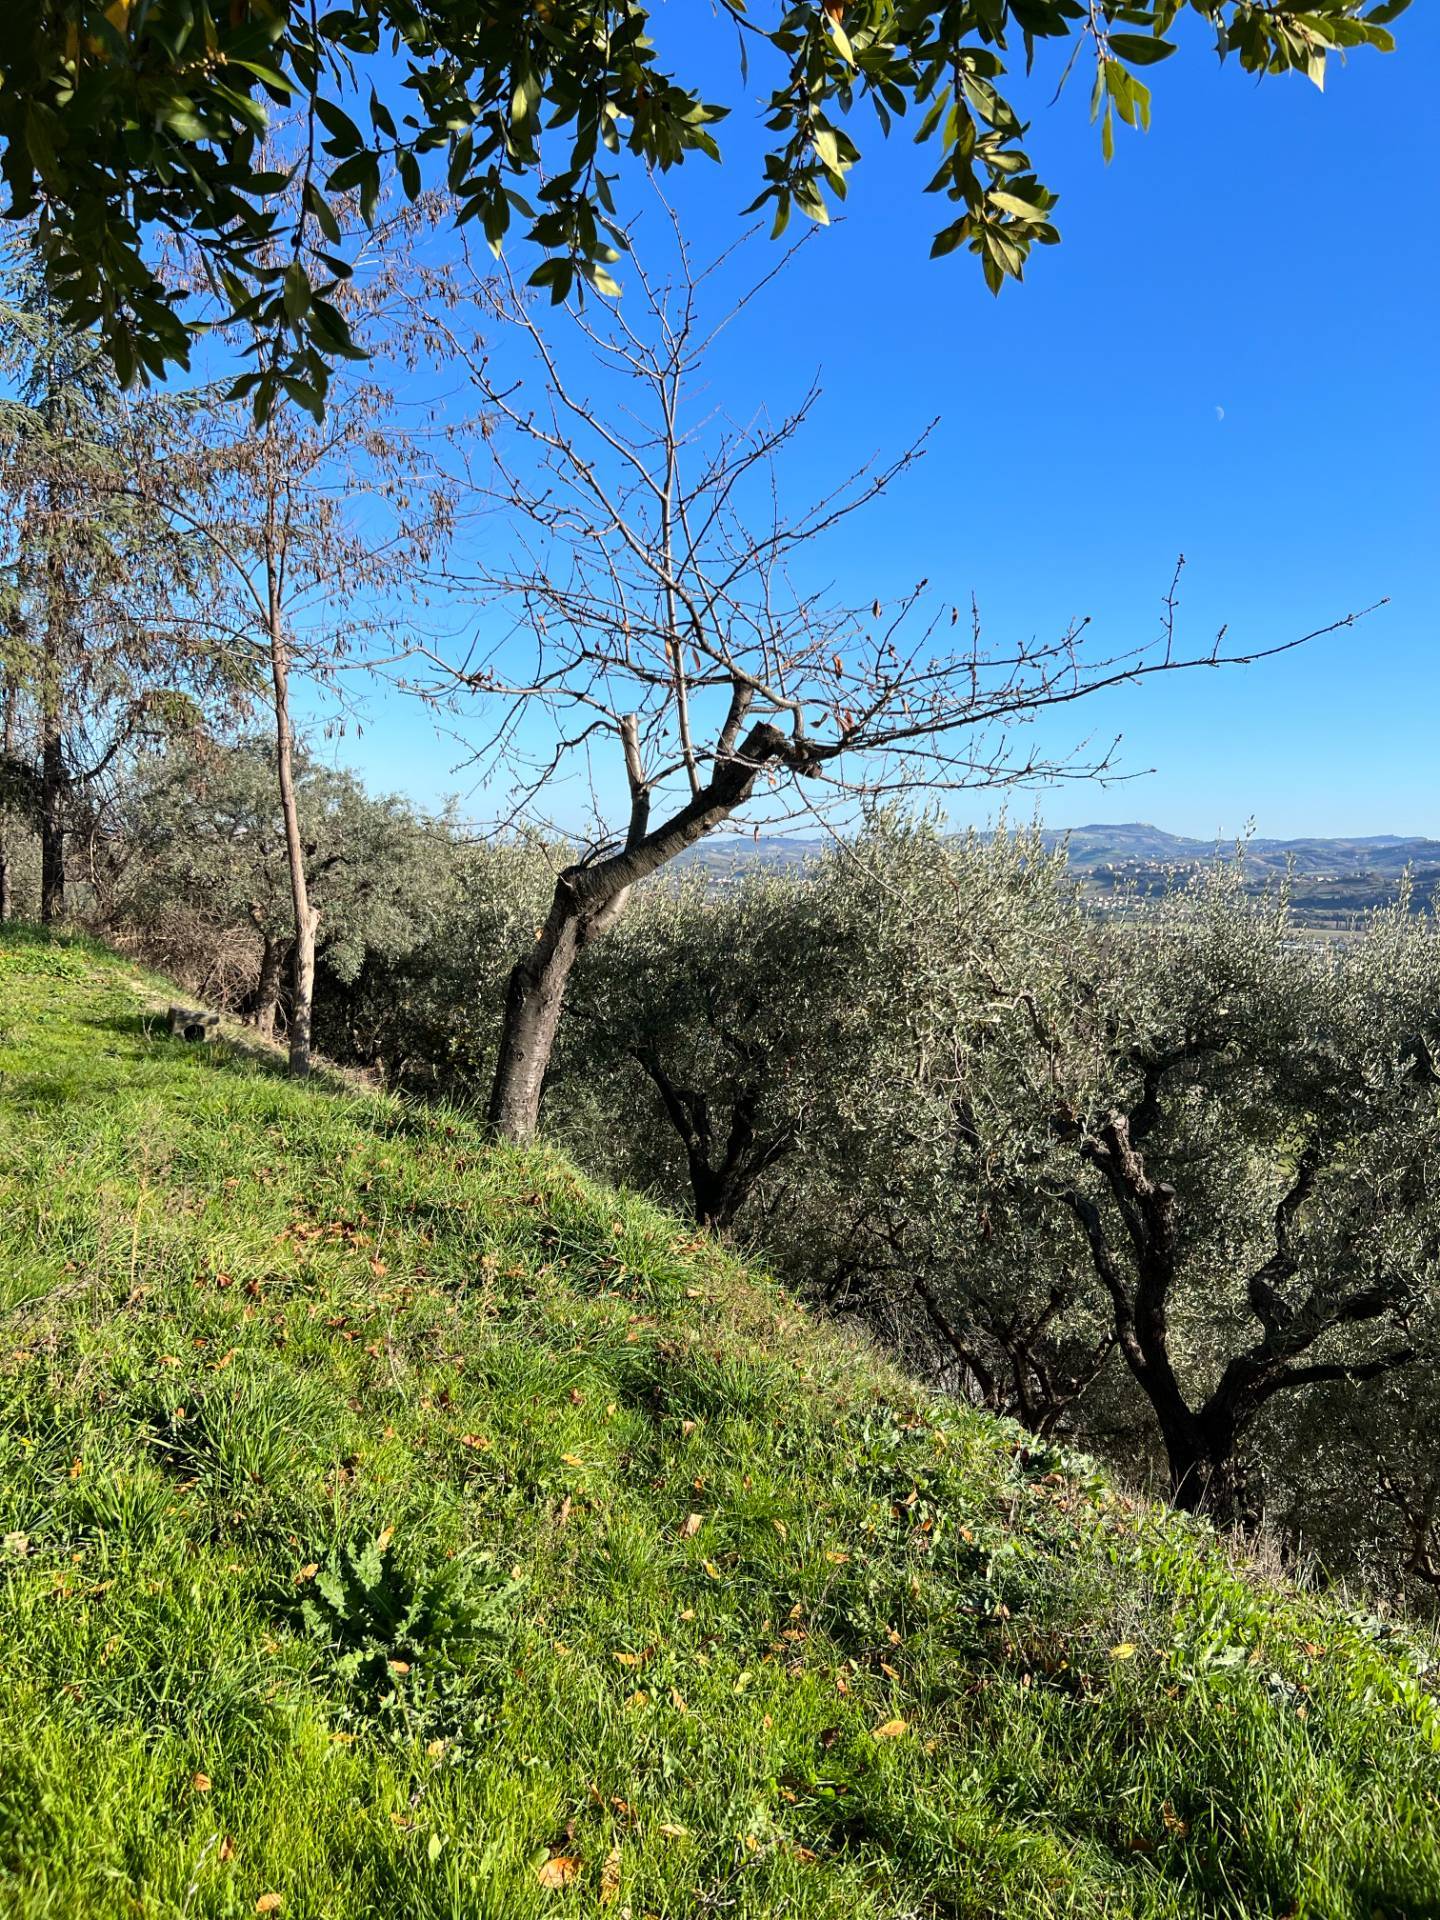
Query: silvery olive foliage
[1162, 1181]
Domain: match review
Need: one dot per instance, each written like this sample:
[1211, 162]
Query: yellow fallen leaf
[1125, 1651]
[675, 1833]
[269, 1903]
[677, 1700]
[628, 1659]
[836, 1557]
[691, 1525]
[307, 1572]
[387, 1534]
[227, 1847]
[200, 1782]
[475, 1441]
[558, 1871]
[572, 1459]
[891, 1730]
[711, 1569]
[610, 1878]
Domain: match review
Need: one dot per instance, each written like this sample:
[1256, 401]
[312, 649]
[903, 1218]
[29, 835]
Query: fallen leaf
[677, 1700]
[628, 1659]
[269, 1903]
[711, 1569]
[610, 1878]
[558, 1871]
[891, 1730]
[227, 1848]
[387, 1534]
[1125, 1651]
[836, 1557]
[687, 1427]
[399, 1666]
[675, 1833]
[200, 1782]
[307, 1572]
[572, 1459]
[692, 1525]
[477, 1441]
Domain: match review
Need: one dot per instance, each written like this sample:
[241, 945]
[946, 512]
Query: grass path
[396, 1527]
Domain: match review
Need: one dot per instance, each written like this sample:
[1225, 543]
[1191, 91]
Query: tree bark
[7, 754]
[589, 899]
[265, 1001]
[306, 917]
[52, 805]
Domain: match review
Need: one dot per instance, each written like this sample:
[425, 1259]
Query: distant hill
[1136, 843]
[1334, 880]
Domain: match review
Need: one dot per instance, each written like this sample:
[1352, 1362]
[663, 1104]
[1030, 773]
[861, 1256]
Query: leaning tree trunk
[306, 917]
[534, 998]
[588, 899]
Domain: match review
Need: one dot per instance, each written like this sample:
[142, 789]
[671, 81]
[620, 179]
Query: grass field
[397, 1527]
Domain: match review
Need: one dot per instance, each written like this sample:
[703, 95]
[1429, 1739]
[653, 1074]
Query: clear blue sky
[1232, 354]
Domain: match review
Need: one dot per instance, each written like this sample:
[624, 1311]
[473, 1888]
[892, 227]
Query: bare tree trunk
[588, 899]
[306, 917]
[7, 754]
[52, 803]
[265, 1002]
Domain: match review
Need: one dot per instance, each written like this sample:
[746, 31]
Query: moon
[1219, 413]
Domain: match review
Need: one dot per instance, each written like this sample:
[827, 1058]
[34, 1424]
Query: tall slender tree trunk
[52, 800]
[306, 917]
[9, 699]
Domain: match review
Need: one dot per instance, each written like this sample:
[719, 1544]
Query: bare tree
[658, 617]
[320, 527]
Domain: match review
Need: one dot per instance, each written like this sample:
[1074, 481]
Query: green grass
[411, 1529]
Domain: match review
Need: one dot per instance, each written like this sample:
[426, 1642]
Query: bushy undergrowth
[392, 1525]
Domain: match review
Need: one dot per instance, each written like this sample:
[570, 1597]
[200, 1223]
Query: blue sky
[1231, 355]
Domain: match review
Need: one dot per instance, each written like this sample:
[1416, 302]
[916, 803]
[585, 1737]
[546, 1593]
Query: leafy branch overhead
[124, 121]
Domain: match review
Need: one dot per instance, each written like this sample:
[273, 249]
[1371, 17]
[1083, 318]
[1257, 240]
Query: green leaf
[296, 291]
[1139, 49]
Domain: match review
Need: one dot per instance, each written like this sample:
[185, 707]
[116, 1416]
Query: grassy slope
[246, 1322]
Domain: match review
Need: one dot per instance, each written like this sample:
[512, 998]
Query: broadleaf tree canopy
[124, 120]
